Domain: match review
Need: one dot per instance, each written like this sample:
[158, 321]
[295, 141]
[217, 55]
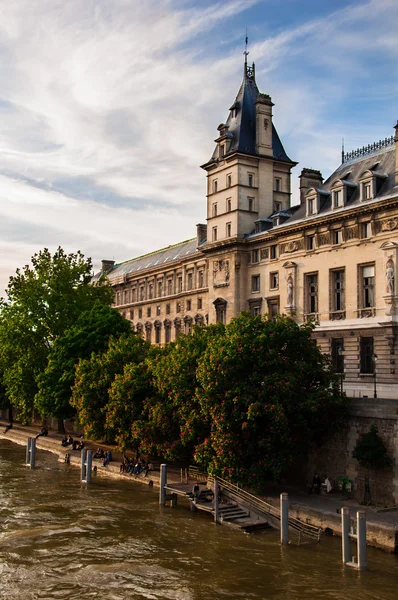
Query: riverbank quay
[324, 511]
[19, 434]
[319, 510]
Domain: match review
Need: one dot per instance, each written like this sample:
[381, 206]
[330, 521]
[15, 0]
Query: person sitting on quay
[78, 445]
[107, 459]
[43, 432]
[316, 484]
[148, 468]
[67, 440]
[99, 453]
[196, 491]
[124, 467]
[326, 485]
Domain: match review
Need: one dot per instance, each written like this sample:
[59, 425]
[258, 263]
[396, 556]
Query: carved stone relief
[323, 238]
[220, 273]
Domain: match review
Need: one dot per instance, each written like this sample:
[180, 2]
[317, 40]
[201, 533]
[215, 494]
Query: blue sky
[108, 107]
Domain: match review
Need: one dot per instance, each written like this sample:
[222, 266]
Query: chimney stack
[201, 233]
[309, 178]
[106, 266]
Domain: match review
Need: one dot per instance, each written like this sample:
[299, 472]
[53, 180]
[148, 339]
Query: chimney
[309, 178]
[201, 233]
[264, 106]
[106, 266]
[396, 153]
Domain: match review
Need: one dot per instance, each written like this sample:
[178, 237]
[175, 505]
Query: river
[60, 539]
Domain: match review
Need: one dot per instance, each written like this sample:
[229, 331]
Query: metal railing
[257, 504]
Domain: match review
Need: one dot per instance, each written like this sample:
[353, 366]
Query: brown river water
[60, 539]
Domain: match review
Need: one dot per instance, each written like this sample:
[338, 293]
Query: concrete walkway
[320, 510]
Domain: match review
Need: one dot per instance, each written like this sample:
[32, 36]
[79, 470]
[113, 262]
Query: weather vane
[246, 50]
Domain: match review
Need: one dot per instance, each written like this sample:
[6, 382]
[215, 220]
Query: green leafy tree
[268, 393]
[42, 301]
[128, 412]
[370, 450]
[93, 379]
[174, 377]
[91, 333]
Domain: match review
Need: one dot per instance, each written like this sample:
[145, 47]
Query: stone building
[332, 258]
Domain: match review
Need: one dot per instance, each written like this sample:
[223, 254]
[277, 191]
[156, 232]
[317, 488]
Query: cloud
[108, 107]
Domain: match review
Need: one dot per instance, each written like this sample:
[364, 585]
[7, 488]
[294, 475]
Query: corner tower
[248, 175]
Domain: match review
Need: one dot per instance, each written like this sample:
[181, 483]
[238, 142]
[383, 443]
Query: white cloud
[114, 104]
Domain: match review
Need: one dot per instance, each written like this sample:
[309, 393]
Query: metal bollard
[284, 504]
[345, 537]
[86, 465]
[361, 539]
[163, 484]
[31, 452]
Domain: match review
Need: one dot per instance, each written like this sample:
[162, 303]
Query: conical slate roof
[241, 121]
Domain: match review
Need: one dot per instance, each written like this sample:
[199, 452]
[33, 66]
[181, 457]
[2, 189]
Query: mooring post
[31, 452]
[186, 475]
[216, 508]
[284, 518]
[345, 534]
[83, 465]
[89, 465]
[181, 475]
[163, 483]
[361, 539]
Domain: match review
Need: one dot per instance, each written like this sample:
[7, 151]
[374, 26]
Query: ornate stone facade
[332, 258]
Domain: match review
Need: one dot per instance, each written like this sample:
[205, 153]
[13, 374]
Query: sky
[109, 107]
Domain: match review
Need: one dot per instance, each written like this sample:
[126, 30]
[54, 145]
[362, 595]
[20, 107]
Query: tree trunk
[10, 414]
[61, 426]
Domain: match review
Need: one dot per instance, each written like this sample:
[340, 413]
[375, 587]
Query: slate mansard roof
[378, 158]
[177, 252]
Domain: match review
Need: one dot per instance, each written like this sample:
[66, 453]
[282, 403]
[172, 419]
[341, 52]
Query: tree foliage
[90, 333]
[370, 450]
[93, 379]
[268, 393]
[42, 301]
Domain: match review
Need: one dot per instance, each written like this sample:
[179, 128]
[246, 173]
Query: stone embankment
[320, 511]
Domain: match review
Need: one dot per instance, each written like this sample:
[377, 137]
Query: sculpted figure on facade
[289, 291]
[221, 273]
[390, 277]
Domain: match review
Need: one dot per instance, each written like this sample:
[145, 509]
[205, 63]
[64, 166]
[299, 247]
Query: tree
[131, 397]
[91, 333]
[370, 450]
[174, 377]
[42, 301]
[94, 377]
[268, 392]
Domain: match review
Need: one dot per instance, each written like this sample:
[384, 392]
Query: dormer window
[370, 184]
[337, 198]
[311, 206]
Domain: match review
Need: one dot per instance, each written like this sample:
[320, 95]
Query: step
[238, 515]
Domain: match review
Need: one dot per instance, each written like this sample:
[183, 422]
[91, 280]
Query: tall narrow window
[311, 242]
[167, 335]
[367, 191]
[274, 280]
[167, 309]
[273, 308]
[221, 310]
[368, 274]
[157, 335]
[338, 303]
[150, 290]
[158, 311]
[229, 180]
[134, 294]
[250, 179]
[201, 279]
[311, 289]
[337, 236]
[366, 230]
[255, 256]
[228, 205]
[214, 234]
[274, 252]
[199, 303]
[190, 281]
[140, 313]
[250, 204]
[160, 288]
[278, 185]
[366, 355]
[180, 284]
[338, 354]
[215, 209]
[169, 287]
[228, 230]
[337, 198]
[255, 283]
[277, 206]
[215, 186]
[189, 304]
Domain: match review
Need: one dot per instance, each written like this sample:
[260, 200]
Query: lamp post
[374, 358]
[340, 352]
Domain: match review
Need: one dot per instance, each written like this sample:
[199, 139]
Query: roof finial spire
[342, 150]
[246, 52]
